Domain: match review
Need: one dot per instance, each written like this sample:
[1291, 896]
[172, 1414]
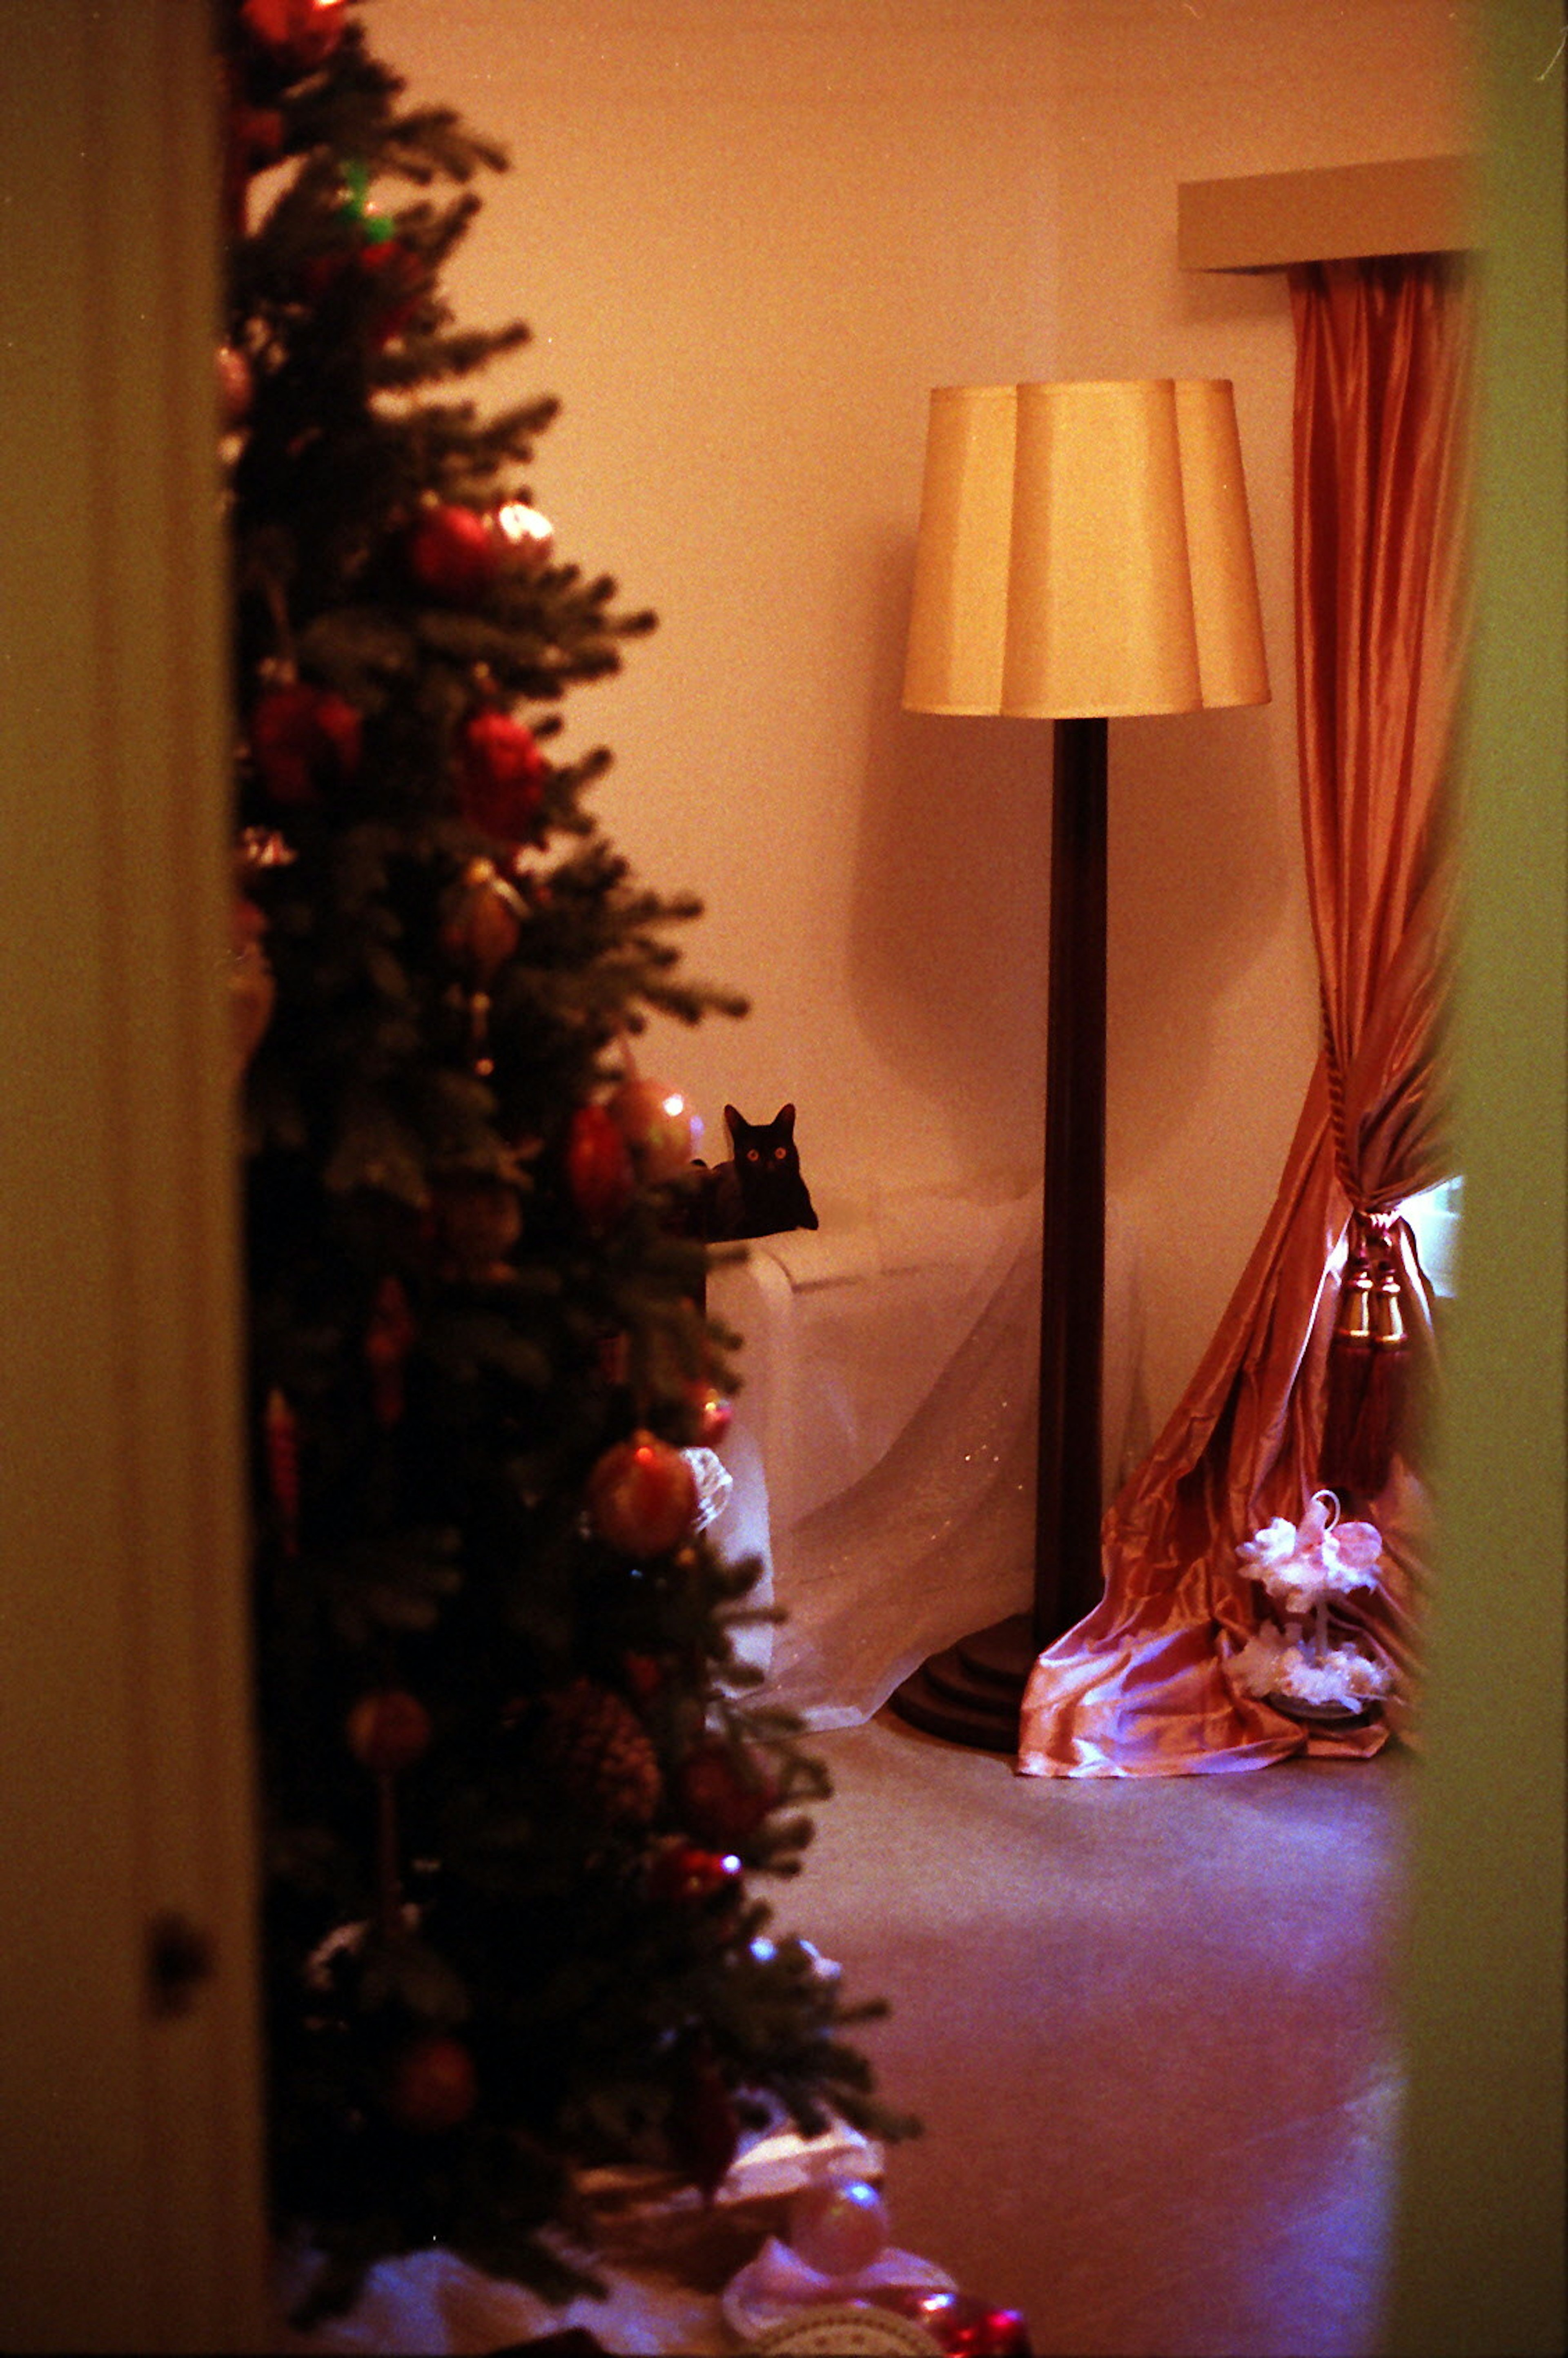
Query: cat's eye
[778, 1155]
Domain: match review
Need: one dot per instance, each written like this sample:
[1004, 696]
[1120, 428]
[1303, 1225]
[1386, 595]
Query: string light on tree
[528, 537]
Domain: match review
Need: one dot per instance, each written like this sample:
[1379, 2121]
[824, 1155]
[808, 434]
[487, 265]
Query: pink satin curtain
[1140, 1687]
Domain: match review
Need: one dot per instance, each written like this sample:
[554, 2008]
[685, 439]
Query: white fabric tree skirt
[883, 1444]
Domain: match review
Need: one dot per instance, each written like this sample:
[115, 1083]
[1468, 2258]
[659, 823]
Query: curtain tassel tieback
[1369, 1360]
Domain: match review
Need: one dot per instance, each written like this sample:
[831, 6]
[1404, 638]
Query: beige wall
[750, 234]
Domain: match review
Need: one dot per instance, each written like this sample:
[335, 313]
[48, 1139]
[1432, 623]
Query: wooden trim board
[1424, 205]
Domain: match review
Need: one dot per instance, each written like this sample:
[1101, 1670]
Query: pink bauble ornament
[659, 1127]
[838, 2228]
[642, 1495]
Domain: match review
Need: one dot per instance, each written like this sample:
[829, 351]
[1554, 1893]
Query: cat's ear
[785, 1119]
[733, 1123]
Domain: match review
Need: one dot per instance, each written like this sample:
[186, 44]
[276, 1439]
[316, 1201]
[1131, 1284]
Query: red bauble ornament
[598, 1168]
[302, 737]
[642, 1497]
[301, 33]
[723, 1797]
[388, 1731]
[484, 919]
[434, 2087]
[501, 774]
[452, 551]
[659, 1127]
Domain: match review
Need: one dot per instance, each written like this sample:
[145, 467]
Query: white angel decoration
[1302, 1566]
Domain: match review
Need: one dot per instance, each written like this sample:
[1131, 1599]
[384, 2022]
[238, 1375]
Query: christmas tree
[516, 1795]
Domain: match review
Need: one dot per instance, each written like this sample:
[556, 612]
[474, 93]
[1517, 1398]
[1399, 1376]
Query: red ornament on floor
[960, 2323]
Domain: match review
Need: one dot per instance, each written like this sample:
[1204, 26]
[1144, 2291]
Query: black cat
[759, 1192]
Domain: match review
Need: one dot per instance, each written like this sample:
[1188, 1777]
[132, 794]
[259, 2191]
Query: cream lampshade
[1084, 551]
[1084, 554]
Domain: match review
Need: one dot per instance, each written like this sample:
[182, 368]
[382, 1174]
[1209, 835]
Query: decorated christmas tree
[517, 1799]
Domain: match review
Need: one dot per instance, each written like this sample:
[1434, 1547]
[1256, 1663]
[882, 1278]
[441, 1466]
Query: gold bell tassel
[1368, 1378]
[1382, 1417]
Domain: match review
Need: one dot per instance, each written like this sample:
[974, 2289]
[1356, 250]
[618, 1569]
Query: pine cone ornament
[594, 1742]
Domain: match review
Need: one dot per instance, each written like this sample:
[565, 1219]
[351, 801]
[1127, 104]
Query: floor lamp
[1084, 554]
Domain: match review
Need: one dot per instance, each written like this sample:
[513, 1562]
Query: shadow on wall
[1198, 862]
[949, 900]
[950, 905]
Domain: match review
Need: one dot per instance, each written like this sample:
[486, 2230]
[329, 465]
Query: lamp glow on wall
[1084, 554]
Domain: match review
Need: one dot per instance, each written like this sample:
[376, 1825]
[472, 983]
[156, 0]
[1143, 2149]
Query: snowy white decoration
[714, 1484]
[1302, 1566]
